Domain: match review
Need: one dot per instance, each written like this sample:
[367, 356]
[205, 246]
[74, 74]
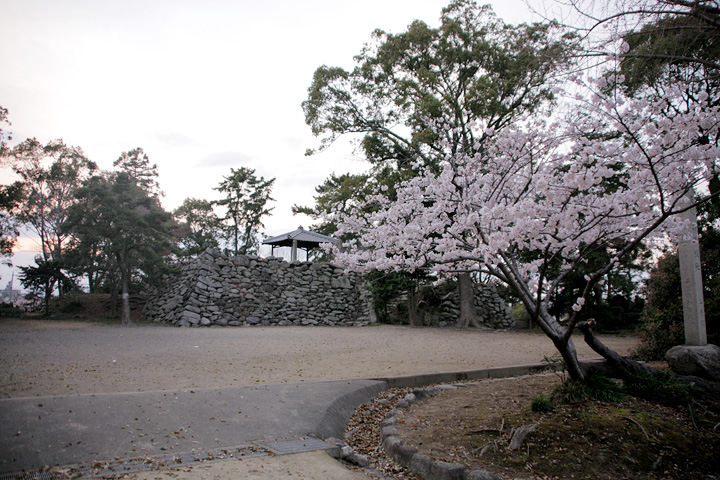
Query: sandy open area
[43, 358]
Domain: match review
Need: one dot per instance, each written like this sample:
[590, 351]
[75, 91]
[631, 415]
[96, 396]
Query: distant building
[9, 295]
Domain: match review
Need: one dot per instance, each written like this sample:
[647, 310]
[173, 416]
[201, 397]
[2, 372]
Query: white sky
[200, 85]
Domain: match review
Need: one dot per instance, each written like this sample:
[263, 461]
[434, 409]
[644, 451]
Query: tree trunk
[467, 301]
[619, 365]
[575, 369]
[413, 302]
[565, 347]
[48, 294]
[125, 281]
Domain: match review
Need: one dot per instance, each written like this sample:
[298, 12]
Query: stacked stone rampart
[215, 289]
[246, 290]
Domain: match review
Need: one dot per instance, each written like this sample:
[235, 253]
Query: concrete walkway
[204, 424]
[251, 432]
[99, 396]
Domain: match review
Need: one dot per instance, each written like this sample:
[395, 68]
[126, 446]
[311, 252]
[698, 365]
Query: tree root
[487, 447]
[636, 423]
[517, 437]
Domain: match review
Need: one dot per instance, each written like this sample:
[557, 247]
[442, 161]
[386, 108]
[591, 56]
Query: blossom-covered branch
[538, 197]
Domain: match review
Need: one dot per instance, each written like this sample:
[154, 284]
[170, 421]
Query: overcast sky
[200, 85]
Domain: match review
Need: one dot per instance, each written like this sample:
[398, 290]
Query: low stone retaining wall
[215, 289]
[246, 290]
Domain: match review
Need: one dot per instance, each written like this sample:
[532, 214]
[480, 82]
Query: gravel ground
[46, 357]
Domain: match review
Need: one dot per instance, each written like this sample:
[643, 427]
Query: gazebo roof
[304, 238]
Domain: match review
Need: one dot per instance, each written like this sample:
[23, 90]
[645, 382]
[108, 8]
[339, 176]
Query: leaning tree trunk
[468, 314]
[575, 368]
[564, 346]
[621, 367]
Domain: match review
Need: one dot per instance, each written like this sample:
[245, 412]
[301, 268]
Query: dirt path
[41, 358]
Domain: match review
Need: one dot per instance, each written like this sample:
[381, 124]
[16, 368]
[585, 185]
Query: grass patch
[541, 404]
[596, 387]
[662, 388]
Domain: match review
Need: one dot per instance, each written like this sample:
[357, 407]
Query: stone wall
[247, 290]
[215, 289]
[492, 312]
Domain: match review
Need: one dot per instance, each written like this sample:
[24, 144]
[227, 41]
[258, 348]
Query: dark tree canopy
[137, 165]
[246, 200]
[10, 199]
[129, 225]
[44, 277]
[472, 65]
[199, 227]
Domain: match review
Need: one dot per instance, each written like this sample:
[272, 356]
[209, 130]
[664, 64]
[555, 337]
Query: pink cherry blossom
[546, 187]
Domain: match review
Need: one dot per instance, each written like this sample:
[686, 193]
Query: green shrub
[595, 387]
[661, 330]
[663, 388]
[604, 389]
[568, 392]
[541, 404]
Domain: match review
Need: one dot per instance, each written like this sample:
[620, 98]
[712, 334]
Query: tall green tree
[137, 165]
[134, 229]
[246, 203]
[199, 227]
[87, 254]
[473, 66]
[50, 174]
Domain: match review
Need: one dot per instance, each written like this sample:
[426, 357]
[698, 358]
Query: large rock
[700, 361]
[189, 317]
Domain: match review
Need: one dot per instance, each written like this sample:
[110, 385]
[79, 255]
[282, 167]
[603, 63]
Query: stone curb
[410, 458]
[406, 455]
[338, 413]
[414, 381]
[421, 464]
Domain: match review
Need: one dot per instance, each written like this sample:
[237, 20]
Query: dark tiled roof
[304, 238]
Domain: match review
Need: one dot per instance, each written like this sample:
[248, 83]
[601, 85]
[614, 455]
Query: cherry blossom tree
[530, 203]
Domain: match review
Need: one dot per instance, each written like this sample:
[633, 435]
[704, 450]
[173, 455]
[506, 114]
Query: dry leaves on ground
[473, 425]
